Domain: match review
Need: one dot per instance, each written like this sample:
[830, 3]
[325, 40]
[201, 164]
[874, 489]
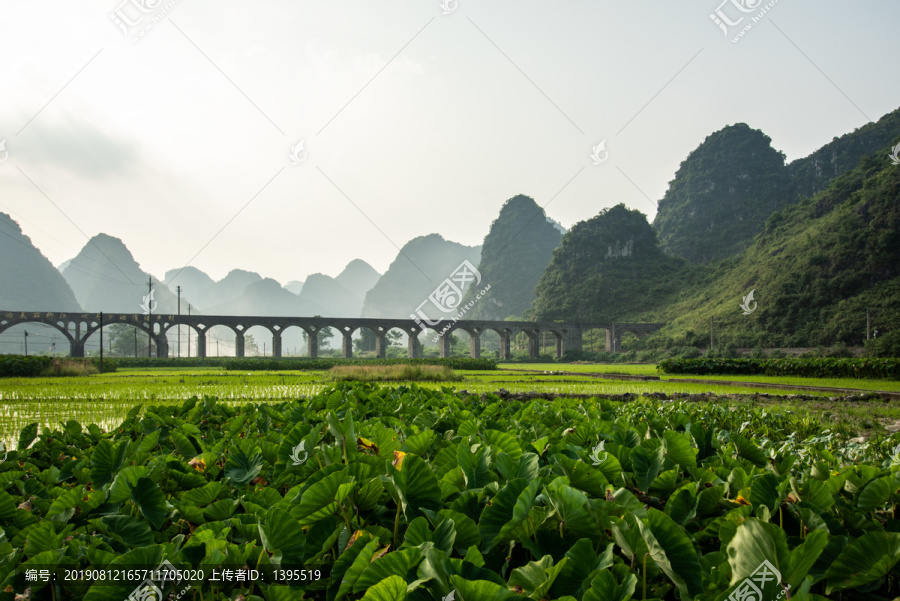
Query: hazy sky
[412, 121]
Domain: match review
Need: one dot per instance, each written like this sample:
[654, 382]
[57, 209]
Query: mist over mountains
[27, 278]
[813, 237]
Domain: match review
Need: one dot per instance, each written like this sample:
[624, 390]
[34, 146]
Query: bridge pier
[162, 346]
[414, 346]
[475, 346]
[201, 344]
[505, 354]
[381, 344]
[312, 343]
[276, 344]
[572, 341]
[76, 348]
[347, 345]
[239, 344]
[612, 341]
[532, 344]
[444, 345]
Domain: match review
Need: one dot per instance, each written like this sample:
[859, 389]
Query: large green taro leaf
[392, 588]
[678, 450]
[671, 549]
[106, 460]
[151, 501]
[507, 511]
[416, 486]
[475, 465]
[866, 559]
[755, 542]
[241, 469]
[324, 498]
[605, 587]
[647, 465]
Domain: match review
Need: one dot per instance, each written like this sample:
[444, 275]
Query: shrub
[66, 368]
[18, 366]
[807, 368]
[886, 345]
[393, 373]
[838, 350]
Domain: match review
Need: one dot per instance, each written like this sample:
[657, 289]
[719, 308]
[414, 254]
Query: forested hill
[514, 255]
[725, 190]
[812, 174]
[722, 195]
[815, 268]
[606, 267]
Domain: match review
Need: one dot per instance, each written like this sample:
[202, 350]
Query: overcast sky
[412, 121]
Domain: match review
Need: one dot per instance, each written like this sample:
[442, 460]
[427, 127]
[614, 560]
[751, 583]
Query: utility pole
[189, 332]
[217, 347]
[101, 342]
[179, 326]
[150, 316]
[868, 324]
[26, 343]
[135, 343]
[711, 334]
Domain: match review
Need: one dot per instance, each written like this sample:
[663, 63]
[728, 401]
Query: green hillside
[815, 269]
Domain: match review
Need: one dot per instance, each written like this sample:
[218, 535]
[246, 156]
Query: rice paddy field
[105, 399]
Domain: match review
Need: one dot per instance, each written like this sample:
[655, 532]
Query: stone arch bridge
[78, 327]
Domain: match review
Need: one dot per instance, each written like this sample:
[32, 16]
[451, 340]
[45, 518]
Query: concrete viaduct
[78, 327]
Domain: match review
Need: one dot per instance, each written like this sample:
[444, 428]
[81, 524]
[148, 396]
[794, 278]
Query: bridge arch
[6, 324]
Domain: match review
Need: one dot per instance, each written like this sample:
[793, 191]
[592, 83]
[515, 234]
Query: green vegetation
[393, 373]
[18, 366]
[809, 368]
[396, 493]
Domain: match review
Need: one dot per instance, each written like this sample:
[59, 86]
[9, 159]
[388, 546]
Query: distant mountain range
[422, 265]
[733, 205]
